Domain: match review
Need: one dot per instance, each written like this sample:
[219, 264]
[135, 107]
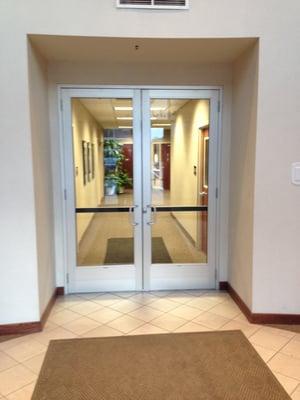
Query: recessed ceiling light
[123, 108]
[161, 125]
[125, 127]
[125, 118]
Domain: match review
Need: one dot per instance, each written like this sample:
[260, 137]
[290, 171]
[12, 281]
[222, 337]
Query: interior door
[102, 140]
[173, 215]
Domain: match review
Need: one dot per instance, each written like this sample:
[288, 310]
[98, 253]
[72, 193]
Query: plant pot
[121, 189]
[110, 189]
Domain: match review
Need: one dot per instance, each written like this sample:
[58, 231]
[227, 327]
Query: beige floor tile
[54, 334]
[102, 331]
[163, 305]
[241, 317]
[26, 350]
[35, 363]
[125, 306]
[49, 326]
[202, 303]
[226, 309]
[266, 354]
[285, 365]
[296, 394]
[247, 329]
[68, 300]
[126, 323]
[192, 327]
[63, 317]
[211, 320]
[268, 339]
[280, 332]
[146, 313]
[23, 394]
[105, 315]
[217, 297]
[161, 293]
[186, 312]
[147, 329]
[297, 337]
[106, 299]
[180, 297]
[13, 342]
[6, 361]
[168, 322]
[89, 296]
[289, 384]
[125, 295]
[143, 298]
[15, 378]
[81, 325]
[86, 307]
[292, 348]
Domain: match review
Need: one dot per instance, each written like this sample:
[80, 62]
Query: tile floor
[96, 315]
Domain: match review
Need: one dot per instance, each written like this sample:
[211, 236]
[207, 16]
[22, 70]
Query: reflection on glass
[177, 238]
[103, 164]
[104, 239]
[179, 163]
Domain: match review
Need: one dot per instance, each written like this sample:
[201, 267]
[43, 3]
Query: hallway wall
[184, 156]
[242, 179]
[90, 194]
[42, 172]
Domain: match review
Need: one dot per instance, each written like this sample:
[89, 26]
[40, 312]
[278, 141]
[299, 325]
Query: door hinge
[219, 106]
[67, 278]
[65, 194]
[217, 193]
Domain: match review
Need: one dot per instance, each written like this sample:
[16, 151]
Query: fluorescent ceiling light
[162, 124]
[123, 108]
[153, 118]
[125, 118]
[125, 127]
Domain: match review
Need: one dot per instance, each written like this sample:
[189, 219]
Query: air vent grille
[167, 4]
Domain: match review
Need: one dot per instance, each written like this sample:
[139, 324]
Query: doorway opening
[144, 214]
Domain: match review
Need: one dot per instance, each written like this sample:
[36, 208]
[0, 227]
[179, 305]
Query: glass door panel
[178, 187]
[104, 182]
[179, 168]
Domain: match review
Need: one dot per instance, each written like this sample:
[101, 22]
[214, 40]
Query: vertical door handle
[153, 214]
[131, 216]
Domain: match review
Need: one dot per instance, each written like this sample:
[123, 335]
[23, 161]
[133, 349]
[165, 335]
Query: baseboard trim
[262, 318]
[32, 327]
[223, 285]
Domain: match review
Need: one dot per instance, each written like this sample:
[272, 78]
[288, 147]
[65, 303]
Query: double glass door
[140, 182]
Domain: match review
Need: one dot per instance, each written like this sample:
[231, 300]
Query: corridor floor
[136, 313]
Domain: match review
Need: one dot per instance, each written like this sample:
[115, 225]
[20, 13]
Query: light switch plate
[296, 173]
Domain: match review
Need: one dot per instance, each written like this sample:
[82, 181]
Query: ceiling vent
[160, 4]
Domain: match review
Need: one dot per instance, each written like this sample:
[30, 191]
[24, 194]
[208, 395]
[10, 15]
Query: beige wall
[276, 250]
[86, 128]
[242, 168]
[184, 156]
[41, 153]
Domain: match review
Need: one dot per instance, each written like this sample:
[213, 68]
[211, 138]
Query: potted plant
[110, 184]
[112, 153]
[123, 181]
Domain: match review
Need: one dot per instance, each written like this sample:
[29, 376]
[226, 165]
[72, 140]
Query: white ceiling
[104, 111]
[155, 51]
